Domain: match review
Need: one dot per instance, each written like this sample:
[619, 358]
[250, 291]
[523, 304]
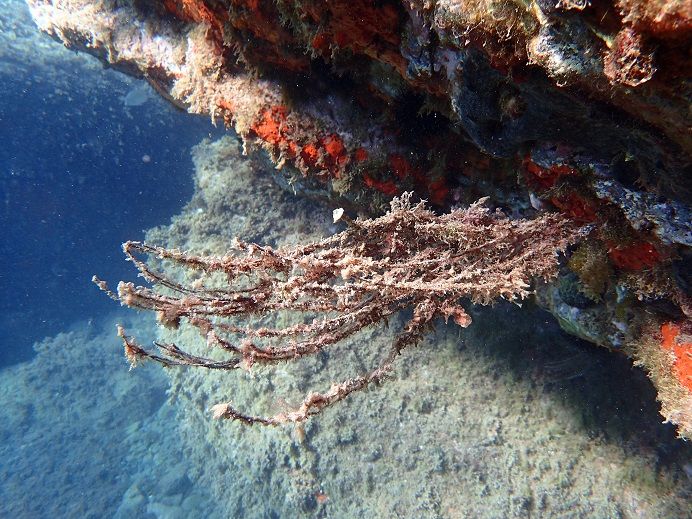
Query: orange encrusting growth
[638, 256]
[576, 207]
[541, 178]
[320, 41]
[198, 11]
[400, 166]
[269, 127]
[310, 154]
[336, 155]
[402, 169]
[360, 155]
[631, 256]
[365, 27]
[438, 191]
[387, 187]
[670, 333]
[571, 203]
[327, 153]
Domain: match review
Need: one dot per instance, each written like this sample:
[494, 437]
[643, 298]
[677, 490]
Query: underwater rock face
[505, 418]
[542, 105]
[70, 451]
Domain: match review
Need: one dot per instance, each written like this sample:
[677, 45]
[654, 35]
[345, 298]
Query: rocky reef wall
[568, 106]
[507, 418]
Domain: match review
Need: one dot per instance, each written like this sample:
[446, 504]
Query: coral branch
[408, 258]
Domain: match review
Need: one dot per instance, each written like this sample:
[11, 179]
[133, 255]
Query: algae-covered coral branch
[409, 258]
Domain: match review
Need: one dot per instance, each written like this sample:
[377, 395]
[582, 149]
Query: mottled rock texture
[507, 418]
[575, 106]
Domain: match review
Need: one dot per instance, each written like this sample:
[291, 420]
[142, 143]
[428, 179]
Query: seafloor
[508, 418]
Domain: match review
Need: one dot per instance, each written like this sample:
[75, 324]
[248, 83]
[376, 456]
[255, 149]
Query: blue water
[81, 173]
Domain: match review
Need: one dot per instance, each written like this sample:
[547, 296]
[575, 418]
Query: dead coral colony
[408, 258]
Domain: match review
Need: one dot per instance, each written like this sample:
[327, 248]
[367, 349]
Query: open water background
[81, 172]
